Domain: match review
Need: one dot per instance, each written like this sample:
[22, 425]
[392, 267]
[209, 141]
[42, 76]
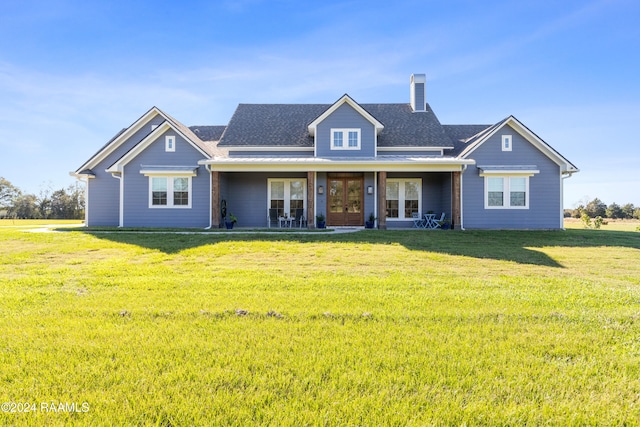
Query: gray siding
[369, 199]
[136, 188]
[104, 190]
[246, 195]
[544, 187]
[345, 117]
[321, 199]
[420, 96]
[436, 194]
[408, 153]
[270, 153]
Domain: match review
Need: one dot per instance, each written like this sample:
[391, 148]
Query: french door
[345, 201]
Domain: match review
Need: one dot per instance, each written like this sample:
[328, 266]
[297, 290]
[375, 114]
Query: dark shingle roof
[271, 124]
[286, 125]
[461, 134]
[208, 133]
[403, 127]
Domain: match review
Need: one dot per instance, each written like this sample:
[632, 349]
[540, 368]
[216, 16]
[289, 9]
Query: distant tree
[595, 208]
[25, 206]
[627, 210]
[577, 212]
[614, 211]
[8, 192]
[67, 203]
[44, 201]
[636, 213]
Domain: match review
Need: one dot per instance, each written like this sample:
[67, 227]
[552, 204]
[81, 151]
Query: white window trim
[170, 143]
[169, 204]
[287, 193]
[506, 190]
[345, 138]
[507, 143]
[401, 193]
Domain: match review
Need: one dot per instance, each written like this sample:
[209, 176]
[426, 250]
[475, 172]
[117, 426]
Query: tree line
[597, 208]
[65, 203]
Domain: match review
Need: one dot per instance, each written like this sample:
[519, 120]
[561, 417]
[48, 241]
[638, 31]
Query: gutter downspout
[86, 202]
[464, 168]
[208, 168]
[562, 178]
[121, 213]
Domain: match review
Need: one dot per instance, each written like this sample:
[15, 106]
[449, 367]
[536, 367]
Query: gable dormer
[345, 129]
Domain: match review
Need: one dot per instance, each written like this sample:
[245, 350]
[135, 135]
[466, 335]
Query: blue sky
[73, 73]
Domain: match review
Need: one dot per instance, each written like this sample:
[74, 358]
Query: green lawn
[370, 328]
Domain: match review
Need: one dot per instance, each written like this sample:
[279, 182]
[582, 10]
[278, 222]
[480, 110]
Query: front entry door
[345, 200]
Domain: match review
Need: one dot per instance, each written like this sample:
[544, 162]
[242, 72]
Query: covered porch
[345, 193]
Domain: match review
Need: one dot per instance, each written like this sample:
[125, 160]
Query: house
[344, 160]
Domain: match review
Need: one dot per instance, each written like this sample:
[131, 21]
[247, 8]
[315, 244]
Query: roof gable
[477, 140]
[119, 139]
[206, 149]
[346, 99]
[152, 137]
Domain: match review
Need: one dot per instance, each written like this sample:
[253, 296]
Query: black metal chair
[272, 217]
[299, 218]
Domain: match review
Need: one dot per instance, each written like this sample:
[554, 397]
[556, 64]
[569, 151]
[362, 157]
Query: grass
[371, 328]
[610, 224]
[28, 223]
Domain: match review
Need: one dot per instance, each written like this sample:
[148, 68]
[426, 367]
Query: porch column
[311, 197]
[382, 200]
[456, 222]
[215, 199]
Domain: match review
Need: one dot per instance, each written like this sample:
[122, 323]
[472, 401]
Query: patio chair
[436, 223]
[299, 217]
[272, 217]
[418, 222]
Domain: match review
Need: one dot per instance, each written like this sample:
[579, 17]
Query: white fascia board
[327, 165]
[153, 136]
[135, 127]
[81, 176]
[510, 172]
[345, 99]
[531, 137]
[169, 172]
[541, 145]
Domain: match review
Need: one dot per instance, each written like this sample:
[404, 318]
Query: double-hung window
[345, 139]
[169, 191]
[287, 195]
[404, 197]
[506, 192]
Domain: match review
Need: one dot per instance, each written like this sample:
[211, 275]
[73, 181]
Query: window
[159, 191]
[506, 143]
[170, 143]
[404, 197]
[506, 192]
[345, 139]
[169, 192]
[287, 195]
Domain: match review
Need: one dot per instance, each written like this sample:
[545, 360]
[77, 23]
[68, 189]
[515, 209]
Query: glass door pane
[336, 192]
[354, 202]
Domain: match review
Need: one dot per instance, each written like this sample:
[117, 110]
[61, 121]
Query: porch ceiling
[320, 164]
